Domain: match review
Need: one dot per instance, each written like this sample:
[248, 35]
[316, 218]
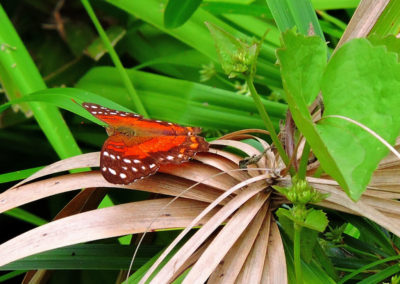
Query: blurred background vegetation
[172, 62]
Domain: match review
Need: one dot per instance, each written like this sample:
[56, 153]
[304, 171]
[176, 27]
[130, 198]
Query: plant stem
[297, 259]
[114, 57]
[267, 121]
[303, 162]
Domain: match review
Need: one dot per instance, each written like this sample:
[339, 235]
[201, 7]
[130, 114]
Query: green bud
[236, 57]
[207, 72]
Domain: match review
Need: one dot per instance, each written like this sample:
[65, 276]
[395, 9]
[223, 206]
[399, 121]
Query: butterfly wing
[122, 160]
[143, 127]
[125, 159]
[138, 146]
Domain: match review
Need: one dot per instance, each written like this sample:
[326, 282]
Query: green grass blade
[151, 13]
[178, 12]
[389, 21]
[299, 13]
[17, 175]
[86, 256]
[26, 216]
[19, 67]
[114, 56]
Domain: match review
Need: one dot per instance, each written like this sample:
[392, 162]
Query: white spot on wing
[112, 156]
[134, 169]
[125, 168]
[143, 168]
[122, 175]
[118, 157]
[100, 112]
[136, 161]
[94, 112]
[113, 172]
[170, 158]
[105, 153]
[113, 113]
[104, 169]
[152, 166]
[180, 155]
[127, 161]
[93, 106]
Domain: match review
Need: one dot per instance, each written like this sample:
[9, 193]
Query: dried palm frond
[246, 249]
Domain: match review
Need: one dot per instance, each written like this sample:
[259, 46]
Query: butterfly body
[136, 147]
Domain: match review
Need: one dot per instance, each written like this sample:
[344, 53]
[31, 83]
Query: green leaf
[86, 256]
[297, 95]
[308, 237]
[391, 42]
[181, 101]
[235, 56]
[361, 82]
[302, 60]
[295, 13]
[356, 85]
[97, 49]
[316, 220]
[178, 12]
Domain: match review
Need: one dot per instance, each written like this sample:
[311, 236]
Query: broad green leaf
[297, 95]
[361, 82]
[178, 12]
[391, 42]
[316, 220]
[303, 60]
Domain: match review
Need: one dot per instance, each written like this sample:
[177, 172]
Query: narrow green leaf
[86, 256]
[281, 13]
[178, 12]
[334, 5]
[295, 13]
[18, 67]
[96, 49]
[182, 101]
[17, 175]
[225, 8]
[26, 216]
[389, 21]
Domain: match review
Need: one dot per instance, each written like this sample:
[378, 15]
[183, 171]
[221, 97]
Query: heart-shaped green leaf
[360, 82]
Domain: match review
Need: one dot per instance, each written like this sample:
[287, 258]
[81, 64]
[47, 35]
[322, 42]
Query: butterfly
[136, 147]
